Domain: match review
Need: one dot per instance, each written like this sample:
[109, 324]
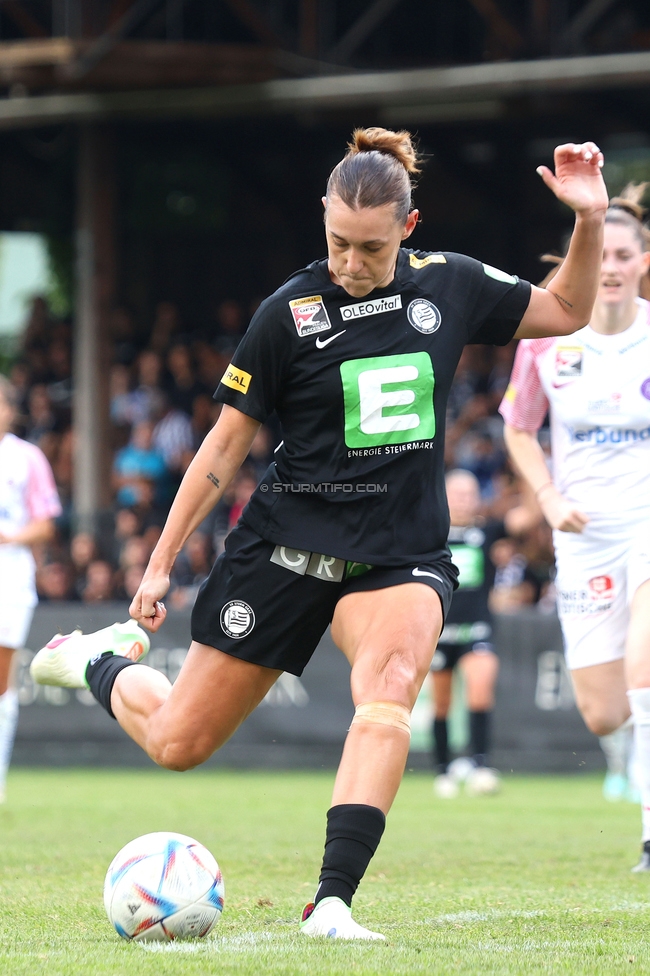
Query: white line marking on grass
[470, 916]
[237, 943]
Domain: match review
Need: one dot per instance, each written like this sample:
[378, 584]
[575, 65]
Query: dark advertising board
[303, 722]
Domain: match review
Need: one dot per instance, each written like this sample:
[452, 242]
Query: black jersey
[360, 387]
[470, 550]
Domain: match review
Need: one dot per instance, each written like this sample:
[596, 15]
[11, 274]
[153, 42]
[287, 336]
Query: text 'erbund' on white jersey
[598, 390]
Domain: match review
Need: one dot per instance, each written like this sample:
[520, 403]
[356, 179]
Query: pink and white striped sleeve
[524, 403]
[42, 497]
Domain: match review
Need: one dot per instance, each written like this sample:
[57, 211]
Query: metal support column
[95, 297]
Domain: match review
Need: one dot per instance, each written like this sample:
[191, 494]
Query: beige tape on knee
[383, 713]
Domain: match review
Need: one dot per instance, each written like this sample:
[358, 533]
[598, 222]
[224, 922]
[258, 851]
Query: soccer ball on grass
[162, 887]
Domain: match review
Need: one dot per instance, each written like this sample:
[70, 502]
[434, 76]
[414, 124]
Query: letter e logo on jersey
[388, 399]
[424, 316]
[310, 315]
[237, 619]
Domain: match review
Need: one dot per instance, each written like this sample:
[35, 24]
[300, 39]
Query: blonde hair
[378, 169]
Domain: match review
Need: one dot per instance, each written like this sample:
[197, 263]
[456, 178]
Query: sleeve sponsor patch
[236, 379]
[419, 263]
[310, 315]
[510, 394]
[499, 275]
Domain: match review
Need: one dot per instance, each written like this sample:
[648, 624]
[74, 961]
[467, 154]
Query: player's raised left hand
[578, 179]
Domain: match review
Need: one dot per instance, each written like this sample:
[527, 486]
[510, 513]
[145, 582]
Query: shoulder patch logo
[424, 316]
[568, 360]
[499, 275]
[310, 315]
[236, 379]
[419, 263]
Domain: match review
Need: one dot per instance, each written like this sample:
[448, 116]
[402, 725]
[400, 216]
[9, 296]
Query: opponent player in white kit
[28, 504]
[597, 385]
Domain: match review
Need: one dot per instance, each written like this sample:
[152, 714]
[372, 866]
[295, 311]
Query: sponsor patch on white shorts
[597, 597]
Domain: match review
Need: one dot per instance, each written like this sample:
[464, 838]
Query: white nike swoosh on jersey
[321, 343]
[422, 572]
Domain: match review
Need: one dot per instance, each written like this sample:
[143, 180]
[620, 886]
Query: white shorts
[15, 621]
[598, 573]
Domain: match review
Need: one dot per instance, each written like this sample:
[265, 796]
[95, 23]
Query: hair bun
[630, 200]
[396, 144]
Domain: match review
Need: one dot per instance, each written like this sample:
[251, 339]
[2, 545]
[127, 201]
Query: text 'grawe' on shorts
[271, 605]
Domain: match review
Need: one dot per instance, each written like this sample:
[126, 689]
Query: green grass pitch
[535, 880]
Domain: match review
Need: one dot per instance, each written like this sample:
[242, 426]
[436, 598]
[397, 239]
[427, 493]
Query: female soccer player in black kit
[349, 525]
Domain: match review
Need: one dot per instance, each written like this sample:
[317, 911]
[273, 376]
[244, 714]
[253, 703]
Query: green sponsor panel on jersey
[388, 399]
[471, 566]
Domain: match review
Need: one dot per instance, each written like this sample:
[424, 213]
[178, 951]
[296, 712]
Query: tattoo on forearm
[213, 478]
[563, 300]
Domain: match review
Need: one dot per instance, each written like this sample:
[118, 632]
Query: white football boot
[64, 659]
[483, 781]
[333, 918]
[445, 787]
[459, 769]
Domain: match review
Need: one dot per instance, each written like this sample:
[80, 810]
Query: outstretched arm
[566, 304]
[528, 457]
[212, 469]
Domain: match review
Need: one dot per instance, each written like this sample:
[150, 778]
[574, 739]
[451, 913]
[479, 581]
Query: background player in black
[467, 637]
[370, 413]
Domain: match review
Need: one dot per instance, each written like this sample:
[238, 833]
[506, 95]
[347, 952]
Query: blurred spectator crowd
[161, 408]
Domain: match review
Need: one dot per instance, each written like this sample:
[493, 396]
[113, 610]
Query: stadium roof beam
[503, 31]
[104, 44]
[582, 22]
[380, 90]
[361, 29]
[253, 18]
[23, 20]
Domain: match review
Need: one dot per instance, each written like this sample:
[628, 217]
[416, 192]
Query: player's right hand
[147, 606]
[562, 514]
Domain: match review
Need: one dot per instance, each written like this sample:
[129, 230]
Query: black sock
[101, 674]
[479, 729]
[353, 834]
[440, 745]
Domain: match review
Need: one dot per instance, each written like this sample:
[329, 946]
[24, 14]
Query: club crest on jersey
[237, 619]
[310, 315]
[568, 361]
[361, 309]
[424, 316]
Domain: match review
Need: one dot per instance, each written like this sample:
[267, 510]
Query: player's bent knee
[178, 755]
[397, 677]
[603, 723]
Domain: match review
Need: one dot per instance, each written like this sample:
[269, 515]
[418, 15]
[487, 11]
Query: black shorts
[271, 605]
[447, 656]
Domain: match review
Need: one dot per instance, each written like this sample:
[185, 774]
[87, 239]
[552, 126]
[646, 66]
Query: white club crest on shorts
[424, 316]
[237, 619]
